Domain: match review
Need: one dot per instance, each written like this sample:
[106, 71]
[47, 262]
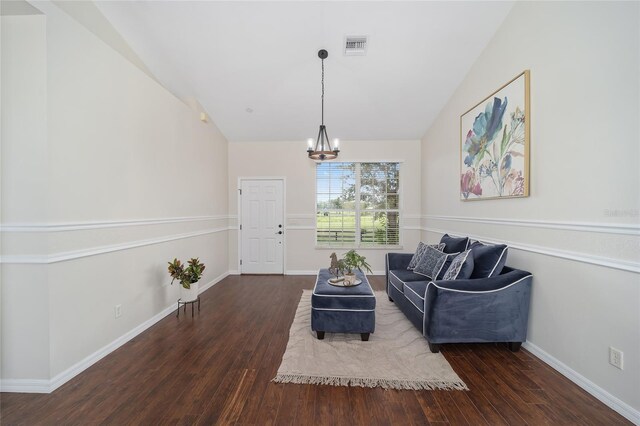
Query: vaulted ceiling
[254, 66]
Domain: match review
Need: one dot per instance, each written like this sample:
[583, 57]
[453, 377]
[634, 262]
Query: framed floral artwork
[494, 144]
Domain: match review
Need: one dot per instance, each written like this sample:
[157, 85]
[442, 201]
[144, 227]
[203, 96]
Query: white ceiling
[232, 56]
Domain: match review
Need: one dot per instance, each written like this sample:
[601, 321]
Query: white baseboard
[48, 386]
[87, 362]
[605, 397]
[315, 272]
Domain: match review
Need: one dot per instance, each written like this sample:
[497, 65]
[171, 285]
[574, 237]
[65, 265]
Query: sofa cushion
[398, 278]
[461, 267]
[488, 259]
[422, 248]
[454, 244]
[428, 261]
[414, 291]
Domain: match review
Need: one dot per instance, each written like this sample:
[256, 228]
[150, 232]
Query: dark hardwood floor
[216, 367]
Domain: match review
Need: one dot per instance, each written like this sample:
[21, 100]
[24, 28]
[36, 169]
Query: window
[357, 204]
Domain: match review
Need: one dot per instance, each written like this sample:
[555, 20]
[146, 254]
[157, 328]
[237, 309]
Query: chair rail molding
[79, 226]
[93, 251]
[632, 229]
[624, 265]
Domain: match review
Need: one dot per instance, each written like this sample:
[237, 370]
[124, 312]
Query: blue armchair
[492, 309]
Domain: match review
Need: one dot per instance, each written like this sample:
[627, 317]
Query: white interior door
[262, 226]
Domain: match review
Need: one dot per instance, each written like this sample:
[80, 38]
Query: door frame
[284, 218]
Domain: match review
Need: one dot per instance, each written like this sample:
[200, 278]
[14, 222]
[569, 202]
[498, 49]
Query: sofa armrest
[492, 309]
[395, 261]
[508, 277]
[398, 260]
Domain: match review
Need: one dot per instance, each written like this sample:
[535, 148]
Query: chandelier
[323, 149]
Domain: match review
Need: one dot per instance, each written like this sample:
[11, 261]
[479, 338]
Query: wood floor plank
[233, 407]
[250, 412]
[413, 409]
[361, 411]
[479, 401]
[305, 411]
[430, 407]
[451, 411]
[529, 412]
[216, 366]
[324, 407]
[512, 379]
[479, 387]
[287, 412]
[375, 401]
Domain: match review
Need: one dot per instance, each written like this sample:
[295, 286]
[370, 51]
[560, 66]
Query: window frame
[358, 244]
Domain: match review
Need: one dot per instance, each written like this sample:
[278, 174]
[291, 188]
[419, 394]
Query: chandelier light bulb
[336, 143]
[310, 143]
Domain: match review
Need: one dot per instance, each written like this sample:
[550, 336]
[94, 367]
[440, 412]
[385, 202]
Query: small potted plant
[188, 276]
[352, 261]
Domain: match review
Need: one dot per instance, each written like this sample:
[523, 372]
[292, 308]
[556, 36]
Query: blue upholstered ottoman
[342, 309]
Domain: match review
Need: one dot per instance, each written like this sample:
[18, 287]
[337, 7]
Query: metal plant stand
[181, 303]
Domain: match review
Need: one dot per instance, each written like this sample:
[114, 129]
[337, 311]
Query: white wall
[585, 68]
[288, 159]
[126, 178]
[23, 179]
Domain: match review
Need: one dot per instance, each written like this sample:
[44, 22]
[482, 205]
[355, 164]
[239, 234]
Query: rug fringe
[370, 382]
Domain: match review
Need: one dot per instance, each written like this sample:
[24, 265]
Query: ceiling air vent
[355, 45]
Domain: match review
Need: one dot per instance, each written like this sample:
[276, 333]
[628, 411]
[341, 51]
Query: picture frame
[494, 144]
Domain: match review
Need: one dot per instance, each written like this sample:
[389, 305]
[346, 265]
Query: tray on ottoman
[342, 309]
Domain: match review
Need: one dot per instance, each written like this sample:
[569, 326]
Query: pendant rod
[322, 120]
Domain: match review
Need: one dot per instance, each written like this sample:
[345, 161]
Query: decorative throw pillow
[488, 259]
[428, 261]
[461, 267]
[442, 266]
[422, 247]
[453, 244]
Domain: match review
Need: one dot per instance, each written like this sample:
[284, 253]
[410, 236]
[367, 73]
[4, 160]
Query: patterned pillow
[442, 266]
[461, 267]
[422, 248]
[428, 261]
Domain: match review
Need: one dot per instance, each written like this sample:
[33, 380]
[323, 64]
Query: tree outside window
[358, 204]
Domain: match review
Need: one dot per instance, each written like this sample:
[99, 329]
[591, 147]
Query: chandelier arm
[318, 146]
[326, 137]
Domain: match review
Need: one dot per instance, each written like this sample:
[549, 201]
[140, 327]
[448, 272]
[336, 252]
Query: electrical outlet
[118, 311]
[616, 357]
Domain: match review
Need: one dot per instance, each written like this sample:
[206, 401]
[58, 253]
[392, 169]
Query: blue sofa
[494, 309]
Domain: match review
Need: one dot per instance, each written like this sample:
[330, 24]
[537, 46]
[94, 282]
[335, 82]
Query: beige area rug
[395, 357]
